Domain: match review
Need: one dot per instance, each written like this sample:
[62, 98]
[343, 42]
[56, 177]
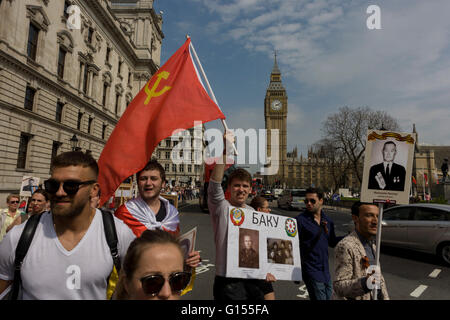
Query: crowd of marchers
[66, 239]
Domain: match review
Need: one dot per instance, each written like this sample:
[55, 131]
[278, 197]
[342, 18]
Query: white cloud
[325, 48]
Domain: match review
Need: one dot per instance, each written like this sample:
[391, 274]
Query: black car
[268, 195]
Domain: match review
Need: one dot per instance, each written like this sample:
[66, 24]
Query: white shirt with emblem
[50, 272]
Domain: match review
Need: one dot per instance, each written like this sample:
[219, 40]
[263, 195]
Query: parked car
[292, 199]
[421, 227]
[277, 193]
[267, 194]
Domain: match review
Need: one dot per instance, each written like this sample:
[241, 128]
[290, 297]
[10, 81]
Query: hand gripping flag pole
[209, 88]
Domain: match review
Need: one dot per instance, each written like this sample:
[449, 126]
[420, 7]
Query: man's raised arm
[219, 168]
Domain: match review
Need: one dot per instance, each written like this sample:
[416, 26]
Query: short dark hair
[389, 142]
[74, 158]
[317, 191]
[43, 192]
[257, 202]
[240, 174]
[357, 205]
[153, 164]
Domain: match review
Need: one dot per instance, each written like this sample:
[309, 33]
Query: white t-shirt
[50, 272]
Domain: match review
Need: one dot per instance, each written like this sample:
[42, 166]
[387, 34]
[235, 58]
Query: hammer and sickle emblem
[152, 92]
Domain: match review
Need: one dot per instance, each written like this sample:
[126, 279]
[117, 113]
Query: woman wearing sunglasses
[153, 268]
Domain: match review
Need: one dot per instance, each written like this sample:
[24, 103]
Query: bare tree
[347, 129]
[335, 160]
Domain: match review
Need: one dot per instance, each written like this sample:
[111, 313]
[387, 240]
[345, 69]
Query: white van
[277, 193]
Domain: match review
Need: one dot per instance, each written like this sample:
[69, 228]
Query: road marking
[419, 290]
[303, 292]
[435, 273]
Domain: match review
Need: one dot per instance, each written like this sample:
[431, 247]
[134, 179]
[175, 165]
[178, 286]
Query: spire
[275, 69]
[275, 77]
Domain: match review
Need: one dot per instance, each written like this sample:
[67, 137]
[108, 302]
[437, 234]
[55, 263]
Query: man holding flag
[150, 210]
[173, 99]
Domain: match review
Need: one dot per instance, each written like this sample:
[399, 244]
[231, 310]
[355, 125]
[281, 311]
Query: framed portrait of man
[388, 166]
[29, 186]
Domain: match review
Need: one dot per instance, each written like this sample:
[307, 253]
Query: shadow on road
[190, 208]
[412, 255]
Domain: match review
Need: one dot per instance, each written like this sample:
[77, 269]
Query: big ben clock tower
[275, 114]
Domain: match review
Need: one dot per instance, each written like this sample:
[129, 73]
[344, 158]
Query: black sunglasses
[15, 201]
[70, 186]
[178, 281]
[313, 201]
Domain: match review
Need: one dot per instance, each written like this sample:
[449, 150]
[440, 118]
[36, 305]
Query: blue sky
[328, 59]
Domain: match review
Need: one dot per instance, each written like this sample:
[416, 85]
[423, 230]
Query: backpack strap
[21, 251]
[111, 237]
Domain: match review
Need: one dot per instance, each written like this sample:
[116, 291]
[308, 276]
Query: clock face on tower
[276, 105]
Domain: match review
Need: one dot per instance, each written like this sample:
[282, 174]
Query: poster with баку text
[260, 243]
[388, 166]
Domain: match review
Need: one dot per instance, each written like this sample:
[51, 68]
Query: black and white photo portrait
[390, 173]
[248, 248]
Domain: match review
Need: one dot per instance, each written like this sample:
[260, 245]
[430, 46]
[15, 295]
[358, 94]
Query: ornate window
[33, 35]
[65, 42]
[29, 98]
[59, 111]
[23, 150]
[80, 118]
[90, 124]
[104, 131]
[38, 21]
[61, 62]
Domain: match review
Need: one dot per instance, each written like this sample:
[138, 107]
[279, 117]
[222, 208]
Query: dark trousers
[318, 290]
[230, 289]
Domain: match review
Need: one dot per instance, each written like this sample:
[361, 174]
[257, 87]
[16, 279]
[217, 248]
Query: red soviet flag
[173, 99]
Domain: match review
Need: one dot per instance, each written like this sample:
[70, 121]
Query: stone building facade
[182, 156]
[57, 81]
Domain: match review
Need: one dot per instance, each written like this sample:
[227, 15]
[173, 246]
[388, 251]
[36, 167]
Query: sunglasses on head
[178, 281]
[313, 201]
[70, 186]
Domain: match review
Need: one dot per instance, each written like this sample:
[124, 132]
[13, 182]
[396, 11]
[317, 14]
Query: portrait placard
[187, 241]
[29, 186]
[387, 167]
[261, 243]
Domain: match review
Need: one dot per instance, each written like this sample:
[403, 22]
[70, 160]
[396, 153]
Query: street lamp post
[74, 143]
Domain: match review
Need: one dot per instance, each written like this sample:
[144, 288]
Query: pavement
[186, 203]
[335, 208]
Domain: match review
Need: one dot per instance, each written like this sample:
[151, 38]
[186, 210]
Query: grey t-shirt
[218, 209]
[50, 272]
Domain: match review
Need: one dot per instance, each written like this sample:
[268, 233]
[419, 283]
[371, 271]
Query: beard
[72, 210]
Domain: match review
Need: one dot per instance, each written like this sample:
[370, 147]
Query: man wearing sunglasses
[8, 215]
[316, 234]
[69, 257]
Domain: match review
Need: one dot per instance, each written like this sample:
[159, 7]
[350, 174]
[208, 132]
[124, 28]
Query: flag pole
[209, 88]
[378, 244]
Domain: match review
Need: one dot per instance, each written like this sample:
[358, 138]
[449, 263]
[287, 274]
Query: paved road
[408, 275]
